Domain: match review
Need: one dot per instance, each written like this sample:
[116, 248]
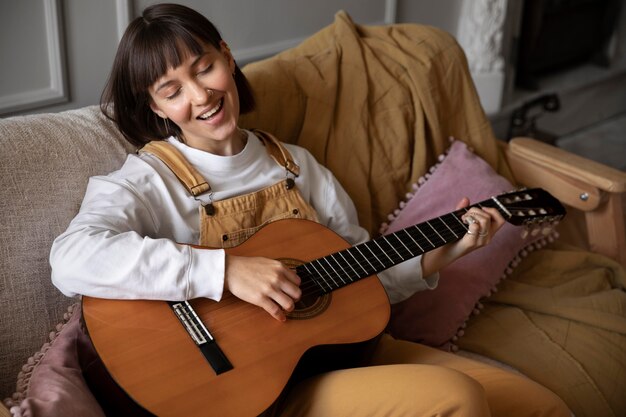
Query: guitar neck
[350, 265]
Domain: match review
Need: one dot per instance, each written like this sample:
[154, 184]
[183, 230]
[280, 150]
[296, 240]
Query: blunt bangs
[158, 51]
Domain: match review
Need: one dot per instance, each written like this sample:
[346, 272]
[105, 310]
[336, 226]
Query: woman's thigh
[390, 391]
[507, 393]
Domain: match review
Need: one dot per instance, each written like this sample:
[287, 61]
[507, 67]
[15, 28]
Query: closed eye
[173, 95]
[205, 70]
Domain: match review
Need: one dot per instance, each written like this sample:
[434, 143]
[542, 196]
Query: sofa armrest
[595, 189]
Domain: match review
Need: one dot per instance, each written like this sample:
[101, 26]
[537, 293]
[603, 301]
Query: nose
[200, 94]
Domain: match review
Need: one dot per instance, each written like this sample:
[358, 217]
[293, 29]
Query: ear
[157, 110]
[228, 55]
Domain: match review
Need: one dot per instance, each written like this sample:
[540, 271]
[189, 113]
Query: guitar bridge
[201, 336]
[190, 320]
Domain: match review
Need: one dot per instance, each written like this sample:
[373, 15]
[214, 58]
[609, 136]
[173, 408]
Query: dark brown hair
[158, 40]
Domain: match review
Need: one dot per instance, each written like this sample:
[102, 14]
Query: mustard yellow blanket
[561, 320]
[377, 105]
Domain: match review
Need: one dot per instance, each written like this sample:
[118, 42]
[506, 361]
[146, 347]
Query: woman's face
[200, 96]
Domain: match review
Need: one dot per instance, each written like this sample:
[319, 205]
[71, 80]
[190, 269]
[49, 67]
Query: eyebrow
[168, 82]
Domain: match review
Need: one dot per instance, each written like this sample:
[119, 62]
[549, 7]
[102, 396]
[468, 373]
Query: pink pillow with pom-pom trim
[51, 383]
[437, 317]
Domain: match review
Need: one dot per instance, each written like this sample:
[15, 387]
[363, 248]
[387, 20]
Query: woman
[200, 179]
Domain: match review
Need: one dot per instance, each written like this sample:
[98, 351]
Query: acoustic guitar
[231, 358]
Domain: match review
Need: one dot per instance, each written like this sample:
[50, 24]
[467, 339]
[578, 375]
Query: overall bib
[230, 222]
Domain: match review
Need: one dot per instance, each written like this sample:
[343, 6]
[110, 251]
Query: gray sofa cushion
[45, 162]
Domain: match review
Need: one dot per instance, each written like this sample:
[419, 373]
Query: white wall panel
[257, 29]
[33, 58]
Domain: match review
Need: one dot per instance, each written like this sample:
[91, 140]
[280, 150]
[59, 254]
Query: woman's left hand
[483, 223]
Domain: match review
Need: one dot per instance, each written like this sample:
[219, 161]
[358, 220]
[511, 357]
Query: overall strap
[277, 151]
[176, 162]
[191, 178]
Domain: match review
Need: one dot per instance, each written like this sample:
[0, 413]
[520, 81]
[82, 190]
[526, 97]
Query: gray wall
[56, 54]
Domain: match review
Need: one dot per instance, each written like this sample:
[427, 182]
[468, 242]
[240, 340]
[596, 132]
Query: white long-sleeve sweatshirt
[129, 239]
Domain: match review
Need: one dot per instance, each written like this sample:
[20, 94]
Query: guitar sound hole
[309, 305]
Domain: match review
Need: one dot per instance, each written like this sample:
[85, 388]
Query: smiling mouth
[213, 111]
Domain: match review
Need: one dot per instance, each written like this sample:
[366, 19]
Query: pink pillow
[51, 383]
[437, 317]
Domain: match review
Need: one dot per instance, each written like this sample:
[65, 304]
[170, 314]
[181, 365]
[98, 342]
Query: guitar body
[152, 357]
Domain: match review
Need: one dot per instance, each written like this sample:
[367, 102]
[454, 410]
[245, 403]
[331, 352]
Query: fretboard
[365, 259]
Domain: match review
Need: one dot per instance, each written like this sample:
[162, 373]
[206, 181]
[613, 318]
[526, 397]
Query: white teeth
[212, 111]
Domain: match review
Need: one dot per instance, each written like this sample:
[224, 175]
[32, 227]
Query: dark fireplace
[558, 34]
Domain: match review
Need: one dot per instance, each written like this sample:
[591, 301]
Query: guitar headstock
[530, 207]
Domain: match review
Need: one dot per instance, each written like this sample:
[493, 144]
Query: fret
[382, 251]
[446, 224]
[365, 257]
[307, 279]
[463, 225]
[414, 241]
[319, 276]
[419, 238]
[405, 246]
[328, 274]
[396, 249]
[360, 260]
[444, 231]
[391, 254]
[349, 252]
[376, 257]
[437, 232]
[339, 269]
[349, 264]
[426, 237]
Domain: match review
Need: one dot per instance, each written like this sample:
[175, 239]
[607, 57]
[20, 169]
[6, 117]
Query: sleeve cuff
[206, 273]
[405, 279]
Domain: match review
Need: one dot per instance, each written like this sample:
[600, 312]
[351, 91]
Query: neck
[227, 147]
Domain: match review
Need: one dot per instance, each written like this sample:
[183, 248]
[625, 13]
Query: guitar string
[313, 284]
[406, 252]
[403, 252]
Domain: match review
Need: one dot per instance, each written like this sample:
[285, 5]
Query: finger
[464, 202]
[273, 309]
[284, 301]
[292, 290]
[490, 221]
[496, 216]
[292, 276]
[478, 223]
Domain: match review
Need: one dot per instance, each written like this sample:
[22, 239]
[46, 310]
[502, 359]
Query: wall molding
[391, 12]
[255, 53]
[124, 13]
[56, 91]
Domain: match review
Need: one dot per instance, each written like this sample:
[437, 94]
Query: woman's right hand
[264, 282]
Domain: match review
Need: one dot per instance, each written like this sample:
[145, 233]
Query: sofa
[378, 106]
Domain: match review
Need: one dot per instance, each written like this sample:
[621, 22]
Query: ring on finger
[483, 234]
[470, 220]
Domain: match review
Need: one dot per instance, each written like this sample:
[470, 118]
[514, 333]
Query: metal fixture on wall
[523, 120]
